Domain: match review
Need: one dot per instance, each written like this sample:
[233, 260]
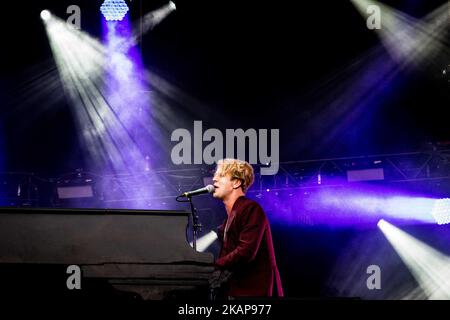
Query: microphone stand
[195, 224]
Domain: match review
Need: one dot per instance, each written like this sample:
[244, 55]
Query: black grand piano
[121, 253]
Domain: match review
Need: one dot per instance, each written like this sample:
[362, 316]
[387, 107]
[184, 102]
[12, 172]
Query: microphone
[208, 189]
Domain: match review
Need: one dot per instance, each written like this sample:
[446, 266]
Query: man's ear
[237, 183]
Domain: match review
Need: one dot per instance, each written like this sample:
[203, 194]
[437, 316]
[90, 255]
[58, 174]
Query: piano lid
[96, 236]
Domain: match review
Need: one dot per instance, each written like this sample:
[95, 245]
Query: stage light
[381, 223]
[365, 203]
[148, 22]
[114, 10]
[412, 41]
[82, 63]
[446, 73]
[441, 211]
[45, 15]
[105, 85]
[204, 242]
[153, 18]
[120, 125]
[429, 267]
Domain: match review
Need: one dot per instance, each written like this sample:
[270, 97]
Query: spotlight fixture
[45, 15]
[172, 5]
[446, 73]
[114, 10]
[382, 223]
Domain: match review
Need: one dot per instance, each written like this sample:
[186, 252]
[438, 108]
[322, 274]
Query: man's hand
[219, 278]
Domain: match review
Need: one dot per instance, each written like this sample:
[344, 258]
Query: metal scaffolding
[429, 166]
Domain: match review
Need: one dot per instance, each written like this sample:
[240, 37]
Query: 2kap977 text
[229, 309]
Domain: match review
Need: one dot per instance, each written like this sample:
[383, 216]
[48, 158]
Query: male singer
[246, 265]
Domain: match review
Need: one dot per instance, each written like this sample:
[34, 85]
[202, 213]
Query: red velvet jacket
[247, 251]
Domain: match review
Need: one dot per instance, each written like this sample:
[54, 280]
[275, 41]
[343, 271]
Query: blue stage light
[114, 10]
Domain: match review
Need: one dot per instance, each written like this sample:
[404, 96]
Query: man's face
[223, 185]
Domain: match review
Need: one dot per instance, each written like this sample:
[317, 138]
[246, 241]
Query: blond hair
[237, 169]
